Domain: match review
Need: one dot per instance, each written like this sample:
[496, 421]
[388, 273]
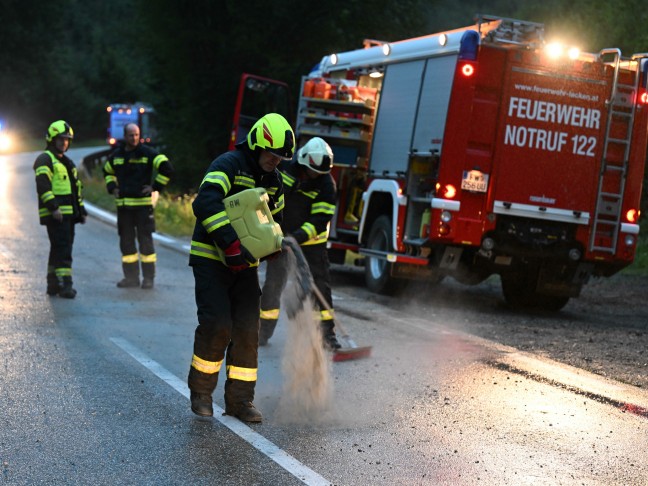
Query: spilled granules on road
[307, 394]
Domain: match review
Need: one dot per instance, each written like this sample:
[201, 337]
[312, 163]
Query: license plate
[474, 180]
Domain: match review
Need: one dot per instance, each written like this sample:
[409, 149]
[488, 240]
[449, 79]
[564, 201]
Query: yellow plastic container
[250, 217]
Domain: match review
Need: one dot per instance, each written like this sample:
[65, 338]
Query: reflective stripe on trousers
[228, 320]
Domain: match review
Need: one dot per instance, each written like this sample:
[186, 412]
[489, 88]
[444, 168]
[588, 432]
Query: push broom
[349, 350]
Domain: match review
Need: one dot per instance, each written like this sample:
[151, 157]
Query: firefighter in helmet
[60, 206]
[128, 173]
[310, 194]
[227, 283]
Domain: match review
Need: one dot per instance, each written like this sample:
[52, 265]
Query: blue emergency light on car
[468, 45]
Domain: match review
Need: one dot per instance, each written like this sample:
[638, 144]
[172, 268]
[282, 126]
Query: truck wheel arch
[382, 197]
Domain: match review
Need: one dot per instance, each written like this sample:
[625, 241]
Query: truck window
[258, 96]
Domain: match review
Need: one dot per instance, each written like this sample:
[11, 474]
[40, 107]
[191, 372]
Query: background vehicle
[256, 97]
[121, 114]
[6, 140]
[481, 151]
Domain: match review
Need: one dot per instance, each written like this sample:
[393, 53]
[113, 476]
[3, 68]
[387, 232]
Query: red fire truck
[483, 150]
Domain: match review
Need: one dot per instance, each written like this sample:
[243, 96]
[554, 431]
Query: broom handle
[293, 247]
[320, 297]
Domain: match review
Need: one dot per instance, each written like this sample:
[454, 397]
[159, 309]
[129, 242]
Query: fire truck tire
[378, 271]
[520, 293]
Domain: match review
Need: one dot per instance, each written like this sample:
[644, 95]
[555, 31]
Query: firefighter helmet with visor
[273, 133]
[59, 128]
[316, 155]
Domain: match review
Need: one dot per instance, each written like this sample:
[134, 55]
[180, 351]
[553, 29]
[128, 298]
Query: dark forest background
[70, 59]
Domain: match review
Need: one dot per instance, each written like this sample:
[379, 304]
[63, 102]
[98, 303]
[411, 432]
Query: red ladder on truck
[612, 176]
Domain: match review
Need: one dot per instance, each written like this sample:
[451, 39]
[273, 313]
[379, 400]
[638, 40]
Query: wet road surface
[91, 389]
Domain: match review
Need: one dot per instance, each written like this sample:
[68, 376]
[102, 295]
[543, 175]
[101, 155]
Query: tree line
[70, 59]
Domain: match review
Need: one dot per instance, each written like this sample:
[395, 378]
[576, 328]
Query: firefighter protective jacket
[229, 174]
[58, 187]
[310, 204]
[130, 171]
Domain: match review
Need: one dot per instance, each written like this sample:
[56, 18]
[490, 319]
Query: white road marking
[5, 253]
[263, 445]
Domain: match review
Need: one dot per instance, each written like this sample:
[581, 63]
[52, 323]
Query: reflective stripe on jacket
[229, 174]
[130, 171]
[58, 187]
[310, 204]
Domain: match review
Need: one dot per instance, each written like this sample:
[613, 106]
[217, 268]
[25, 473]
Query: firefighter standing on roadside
[128, 173]
[310, 194]
[60, 206]
[227, 283]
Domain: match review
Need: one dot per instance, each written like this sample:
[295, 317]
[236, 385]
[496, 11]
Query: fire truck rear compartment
[557, 151]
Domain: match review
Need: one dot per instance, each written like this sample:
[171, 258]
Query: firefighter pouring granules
[129, 177]
[310, 193]
[227, 283]
[60, 206]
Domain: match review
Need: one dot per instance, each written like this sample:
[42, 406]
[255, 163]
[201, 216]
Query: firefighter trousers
[228, 330]
[136, 224]
[61, 238]
[275, 282]
[273, 286]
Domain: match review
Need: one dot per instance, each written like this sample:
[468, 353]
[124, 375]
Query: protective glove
[237, 257]
[57, 215]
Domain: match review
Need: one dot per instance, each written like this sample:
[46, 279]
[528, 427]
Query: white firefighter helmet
[316, 155]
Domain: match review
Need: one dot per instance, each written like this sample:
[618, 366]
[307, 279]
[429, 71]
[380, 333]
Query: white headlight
[5, 142]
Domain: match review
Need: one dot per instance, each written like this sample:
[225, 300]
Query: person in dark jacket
[60, 206]
[128, 173]
[227, 283]
[310, 194]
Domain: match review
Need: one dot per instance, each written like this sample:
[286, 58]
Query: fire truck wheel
[519, 293]
[377, 270]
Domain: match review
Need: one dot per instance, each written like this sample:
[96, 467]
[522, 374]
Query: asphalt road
[92, 390]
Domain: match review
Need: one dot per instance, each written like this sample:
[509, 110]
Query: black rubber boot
[131, 275]
[201, 404]
[328, 335]
[245, 411]
[66, 290]
[53, 287]
[266, 330]
[148, 274]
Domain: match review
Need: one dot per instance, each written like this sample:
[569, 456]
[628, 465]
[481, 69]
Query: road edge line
[256, 440]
